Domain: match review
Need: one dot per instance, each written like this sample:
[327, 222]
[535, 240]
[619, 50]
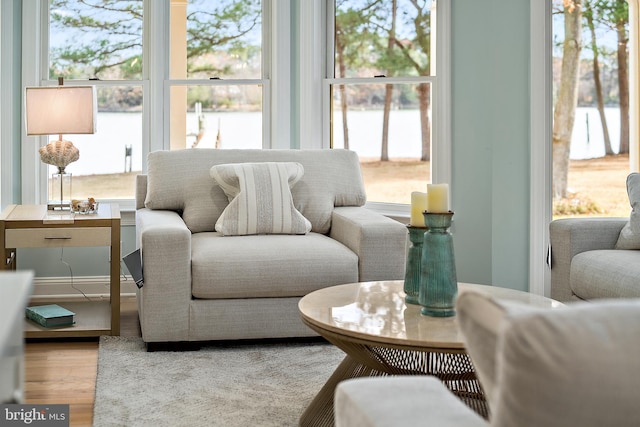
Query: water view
[105, 152]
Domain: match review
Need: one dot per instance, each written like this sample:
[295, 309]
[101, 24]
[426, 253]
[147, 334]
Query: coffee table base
[454, 369]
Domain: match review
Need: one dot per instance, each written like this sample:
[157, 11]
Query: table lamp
[60, 110]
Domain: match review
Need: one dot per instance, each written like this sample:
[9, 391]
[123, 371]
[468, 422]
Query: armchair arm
[379, 242]
[572, 236]
[163, 301]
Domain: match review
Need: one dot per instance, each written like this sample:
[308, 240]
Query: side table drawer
[57, 237]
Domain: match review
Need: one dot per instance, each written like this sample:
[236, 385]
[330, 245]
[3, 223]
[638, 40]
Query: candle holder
[438, 281]
[413, 268]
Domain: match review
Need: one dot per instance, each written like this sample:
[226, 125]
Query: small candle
[438, 198]
[418, 205]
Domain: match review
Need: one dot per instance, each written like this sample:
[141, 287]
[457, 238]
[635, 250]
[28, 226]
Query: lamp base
[59, 188]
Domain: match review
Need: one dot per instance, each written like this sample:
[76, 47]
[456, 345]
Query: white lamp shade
[61, 110]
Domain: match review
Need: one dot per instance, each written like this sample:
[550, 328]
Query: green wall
[490, 141]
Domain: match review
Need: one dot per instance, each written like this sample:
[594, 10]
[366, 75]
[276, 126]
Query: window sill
[399, 212]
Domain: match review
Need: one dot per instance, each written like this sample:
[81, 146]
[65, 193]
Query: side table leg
[319, 413]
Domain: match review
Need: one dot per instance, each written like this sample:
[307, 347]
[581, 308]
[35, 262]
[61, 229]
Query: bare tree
[351, 34]
[422, 25]
[388, 95]
[564, 114]
[588, 13]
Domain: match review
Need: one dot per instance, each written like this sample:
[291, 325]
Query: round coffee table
[382, 335]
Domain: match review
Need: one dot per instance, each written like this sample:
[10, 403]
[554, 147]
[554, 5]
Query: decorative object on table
[88, 206]
[60, 110]
[50, 315]
[418, 206]
[413, 270]
[438, 281]
[414, 256]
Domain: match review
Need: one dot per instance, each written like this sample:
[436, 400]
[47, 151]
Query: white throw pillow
[630, 235]
[260, 200]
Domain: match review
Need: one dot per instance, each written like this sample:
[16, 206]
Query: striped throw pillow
[260, 200]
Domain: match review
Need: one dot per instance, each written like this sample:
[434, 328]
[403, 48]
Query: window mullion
[34, 41]
[156, 71]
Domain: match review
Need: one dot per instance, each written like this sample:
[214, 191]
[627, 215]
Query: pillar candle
[418, 205]
[438, 198]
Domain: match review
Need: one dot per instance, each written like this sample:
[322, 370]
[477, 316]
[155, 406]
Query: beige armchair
[575, 366]
[223, 266]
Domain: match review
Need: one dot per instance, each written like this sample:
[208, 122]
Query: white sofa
[200, 285]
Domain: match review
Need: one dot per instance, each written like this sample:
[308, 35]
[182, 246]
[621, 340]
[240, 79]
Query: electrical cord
[73, 286]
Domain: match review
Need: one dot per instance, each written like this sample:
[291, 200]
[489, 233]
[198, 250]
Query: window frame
[440, 100]
[296, 41]
[155, 83]
[264, 81]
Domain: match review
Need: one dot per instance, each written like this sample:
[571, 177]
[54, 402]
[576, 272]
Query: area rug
[255, 384]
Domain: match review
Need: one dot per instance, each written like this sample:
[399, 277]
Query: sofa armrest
[399, 401]
[163, 301]
[141, 190]
[572, 236]
[379, 242]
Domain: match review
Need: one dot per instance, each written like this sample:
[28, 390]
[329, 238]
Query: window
[381, 89]
[593, 147]
[217, 74]
[101, 43]
[179, 74]
[211, 79]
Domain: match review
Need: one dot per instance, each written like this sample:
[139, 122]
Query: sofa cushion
[481, 319]
[273, 265]
[577, 366]
[607, 273]
[630, 234]
[331, 178]
[416, 400]
[570, 366]
[260, 200]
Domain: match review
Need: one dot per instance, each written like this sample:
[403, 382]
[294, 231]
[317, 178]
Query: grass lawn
[597, 186]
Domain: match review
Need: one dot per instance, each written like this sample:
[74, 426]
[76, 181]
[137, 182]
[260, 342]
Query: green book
[50, 315]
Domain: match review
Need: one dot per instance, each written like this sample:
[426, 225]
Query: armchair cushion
[260, 200]
[630, 235]
[331, 179]
[280, 265]
[618, 269]
[572, 366]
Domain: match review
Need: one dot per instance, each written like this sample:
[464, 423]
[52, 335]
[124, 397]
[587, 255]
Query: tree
[588, 14]
[566, 102]
[615, 14]
[422, 46]
[622, 20]
[393, 38]
[104, 39]
[224, 26]
[388, 95]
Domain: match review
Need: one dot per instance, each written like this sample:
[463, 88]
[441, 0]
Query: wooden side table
[33, 226]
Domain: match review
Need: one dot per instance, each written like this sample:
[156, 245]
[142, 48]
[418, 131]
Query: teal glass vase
[438, 281]
[413, 269]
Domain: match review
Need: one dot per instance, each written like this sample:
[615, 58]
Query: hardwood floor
[65, 371]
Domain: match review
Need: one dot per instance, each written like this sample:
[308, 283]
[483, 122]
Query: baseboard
[92, 287]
